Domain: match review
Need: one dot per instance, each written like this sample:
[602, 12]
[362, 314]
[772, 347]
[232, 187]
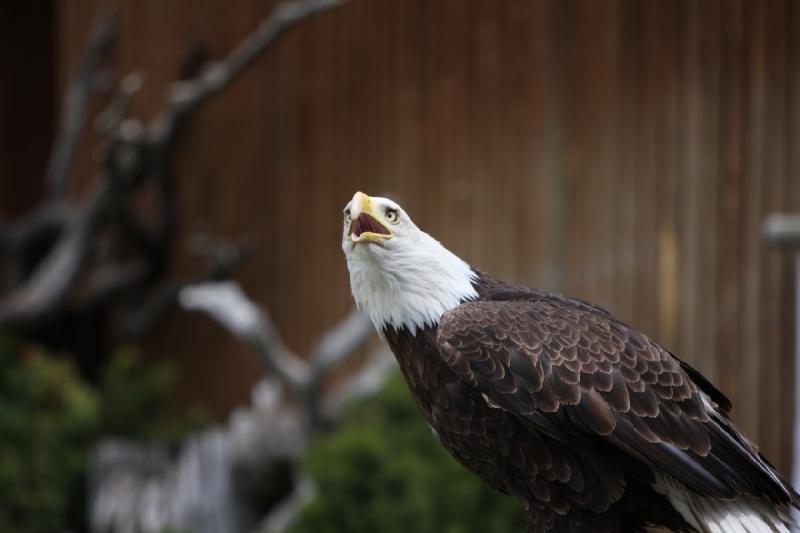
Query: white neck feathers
[409, 286]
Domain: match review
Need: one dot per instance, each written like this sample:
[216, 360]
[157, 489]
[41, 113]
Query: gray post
[784, 230]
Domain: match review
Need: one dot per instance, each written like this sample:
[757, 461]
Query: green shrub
[384, 471]
[135, 396]
[48, 420]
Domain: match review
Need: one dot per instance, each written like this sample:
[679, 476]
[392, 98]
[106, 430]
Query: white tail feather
[714, 515]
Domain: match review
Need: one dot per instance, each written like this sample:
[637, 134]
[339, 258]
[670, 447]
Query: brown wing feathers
[571, 369]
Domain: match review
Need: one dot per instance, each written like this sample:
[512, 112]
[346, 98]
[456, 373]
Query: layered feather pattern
[588, 422]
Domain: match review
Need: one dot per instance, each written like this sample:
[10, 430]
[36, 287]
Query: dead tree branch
[185, 96]
[227, 303]
[134, 153]
[73, 114]
[339, 343]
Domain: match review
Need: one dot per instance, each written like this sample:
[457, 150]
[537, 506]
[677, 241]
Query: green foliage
[384, 471]
[132, 393]
[135, 396]
[48, 419]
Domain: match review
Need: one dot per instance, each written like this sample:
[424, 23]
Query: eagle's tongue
[366, 222]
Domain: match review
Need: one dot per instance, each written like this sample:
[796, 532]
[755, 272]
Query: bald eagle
[588, 422]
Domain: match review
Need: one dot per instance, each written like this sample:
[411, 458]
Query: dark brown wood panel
[27, 102]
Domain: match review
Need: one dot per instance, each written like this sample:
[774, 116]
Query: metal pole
[783, 230]
[796, 443]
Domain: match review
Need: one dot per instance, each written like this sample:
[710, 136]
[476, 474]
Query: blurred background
[626, 152]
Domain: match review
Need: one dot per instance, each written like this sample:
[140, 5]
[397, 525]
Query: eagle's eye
[392, 216]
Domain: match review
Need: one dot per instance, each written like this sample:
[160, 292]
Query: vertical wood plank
[733, 151]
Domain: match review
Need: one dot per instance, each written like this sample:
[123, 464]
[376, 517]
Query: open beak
[365, 226]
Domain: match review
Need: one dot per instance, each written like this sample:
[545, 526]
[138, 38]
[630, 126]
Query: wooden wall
[26, 102]
[623, 151]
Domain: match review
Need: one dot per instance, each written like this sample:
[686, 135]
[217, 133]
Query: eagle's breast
[472, 431]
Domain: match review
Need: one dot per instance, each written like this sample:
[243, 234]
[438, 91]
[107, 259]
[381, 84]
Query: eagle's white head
[400, 276]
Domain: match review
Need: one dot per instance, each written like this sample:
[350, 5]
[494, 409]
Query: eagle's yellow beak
[366, 225]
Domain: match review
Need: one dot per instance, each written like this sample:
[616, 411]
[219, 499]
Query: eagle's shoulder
[494, 290]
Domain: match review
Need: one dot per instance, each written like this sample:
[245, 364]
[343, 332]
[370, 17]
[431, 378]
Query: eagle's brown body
[589, 423]
[553, 401]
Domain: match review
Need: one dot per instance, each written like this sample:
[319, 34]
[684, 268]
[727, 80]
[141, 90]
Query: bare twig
[45, 290]
[341, 342]
[227, 304]
[73, 114]
[108, 120]
[185, 96]
[43, 220]
[106, 283]
[267, 341]
[220, 256]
